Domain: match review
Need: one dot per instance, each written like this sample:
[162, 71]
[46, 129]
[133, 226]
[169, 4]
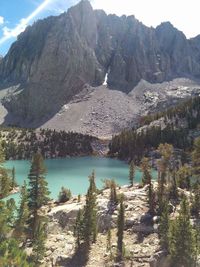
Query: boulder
[64, 216]
[146, 218]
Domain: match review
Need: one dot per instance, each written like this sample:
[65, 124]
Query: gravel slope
[96, 111]
[103, 112]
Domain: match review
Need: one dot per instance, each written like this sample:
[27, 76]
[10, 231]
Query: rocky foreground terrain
[140, 235]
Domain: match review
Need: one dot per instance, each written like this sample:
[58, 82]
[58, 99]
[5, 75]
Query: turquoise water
[73, 173]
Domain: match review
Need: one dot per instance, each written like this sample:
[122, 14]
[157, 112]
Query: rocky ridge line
[54, 58]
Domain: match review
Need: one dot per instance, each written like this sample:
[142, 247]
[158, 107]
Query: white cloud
[56, 6]
[1, 20]
[14, 32]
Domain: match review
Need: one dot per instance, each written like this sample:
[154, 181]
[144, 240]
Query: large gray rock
[63, 216]
[54, 58]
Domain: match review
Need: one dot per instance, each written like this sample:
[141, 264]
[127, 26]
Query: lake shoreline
[73, 172]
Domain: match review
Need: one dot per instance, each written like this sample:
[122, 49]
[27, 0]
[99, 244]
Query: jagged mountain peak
[82, 6]
[84, 20]
[55, 57]
[166, 24]
[168, 28]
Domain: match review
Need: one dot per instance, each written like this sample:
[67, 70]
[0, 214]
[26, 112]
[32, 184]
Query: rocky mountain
[53, 59]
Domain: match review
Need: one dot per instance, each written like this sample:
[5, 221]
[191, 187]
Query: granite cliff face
[54, 58]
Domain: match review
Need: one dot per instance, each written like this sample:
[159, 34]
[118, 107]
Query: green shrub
[64, 195]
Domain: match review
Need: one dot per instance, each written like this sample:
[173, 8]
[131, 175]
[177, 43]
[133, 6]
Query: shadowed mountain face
[53, 59]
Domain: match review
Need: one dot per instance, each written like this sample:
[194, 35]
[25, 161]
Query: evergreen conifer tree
[196, 243]
[184, 175]
[6, 218]
[39, 241]
[195, 208]
[146, 170]
[181, 238]
[164, 227]
[22, 215]
[5, 181]
[78, 228]
[151, 198]
[120, 229]
[11, 255]
[13, 182]
[90, 213]
[113, 192]
[196, 158]
[131, 172]
[166, 152]
[38, 193]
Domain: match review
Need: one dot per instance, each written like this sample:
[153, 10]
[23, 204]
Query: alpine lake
[73, 173]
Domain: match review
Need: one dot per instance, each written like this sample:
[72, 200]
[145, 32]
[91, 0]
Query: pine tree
[184, 175]
[22, 215]
[12, 255]
[11, 207]
[120, 229]
[163, 171]
[164, 227]
[64, 195]
[146, 170]
[113, 192]
[38, 194]
[172, 186]
[196, 158]
[151, 199]
[181, 238]
[5, 182]
[13, 182]
[195, 207]
[196, 243]
[90, 213]
[39, 241]
[7, 218]
[166, 152]
[78, 228]
[131, 172]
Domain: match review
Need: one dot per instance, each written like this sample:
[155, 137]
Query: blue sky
[11, 14]
[15, 15]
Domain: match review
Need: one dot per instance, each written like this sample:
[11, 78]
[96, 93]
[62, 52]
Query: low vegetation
[20, 143]
[178, 126]
[174, 199]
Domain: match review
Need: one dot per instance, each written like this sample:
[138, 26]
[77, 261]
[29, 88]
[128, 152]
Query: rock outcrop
[54, 58]
[140, 235]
